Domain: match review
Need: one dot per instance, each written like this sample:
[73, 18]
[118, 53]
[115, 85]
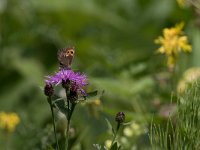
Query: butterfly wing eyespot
[70, 52]
[65, 57]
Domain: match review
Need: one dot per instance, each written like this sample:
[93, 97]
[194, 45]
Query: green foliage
[114, 47]
[182, 130]
[115, 147]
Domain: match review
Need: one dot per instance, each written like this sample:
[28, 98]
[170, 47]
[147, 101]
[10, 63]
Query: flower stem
[53, 122]
[68, 119]
[67, 136]
[72, 110]
[115, 134]
[68, 123]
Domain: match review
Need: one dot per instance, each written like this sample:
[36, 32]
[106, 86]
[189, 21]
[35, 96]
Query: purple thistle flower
[77, 80]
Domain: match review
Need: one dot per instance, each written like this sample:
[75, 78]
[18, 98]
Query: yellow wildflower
[8, 121]
[172, 42]
[181, 3]
[97, 102]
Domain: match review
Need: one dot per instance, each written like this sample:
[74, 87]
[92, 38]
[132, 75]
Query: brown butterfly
[65, 57]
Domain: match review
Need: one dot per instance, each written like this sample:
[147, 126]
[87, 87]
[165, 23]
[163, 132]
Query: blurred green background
[114, 43]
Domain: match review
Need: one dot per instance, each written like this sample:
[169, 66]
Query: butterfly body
[65, 57]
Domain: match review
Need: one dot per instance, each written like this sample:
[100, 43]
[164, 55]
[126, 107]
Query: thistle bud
[48, 90]
[72, 96]
[66, 84]
[120, 117]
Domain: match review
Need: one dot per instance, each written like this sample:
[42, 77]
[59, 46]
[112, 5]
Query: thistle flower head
[48, 90]
[120, 117]
[72, 96]
[172, 42]
[76, 80]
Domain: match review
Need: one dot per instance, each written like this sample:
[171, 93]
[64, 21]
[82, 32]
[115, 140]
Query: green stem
[53, 122]
[8, 141]
[68, 110]
[67, 136]
[68, 119]
[72, 110]
[174, 78]
[69, 115]
[115, 134]
[68, 123]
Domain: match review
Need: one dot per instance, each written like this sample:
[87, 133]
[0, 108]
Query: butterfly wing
[65, 57]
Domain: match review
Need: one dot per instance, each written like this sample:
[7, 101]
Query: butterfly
[65, 57]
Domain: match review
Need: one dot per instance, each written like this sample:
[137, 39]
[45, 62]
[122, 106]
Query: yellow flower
[181, 3]
[97, 102]
[8, 121]
[173, 42]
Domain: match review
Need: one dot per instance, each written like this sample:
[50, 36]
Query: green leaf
[127, 123]
[119, 147]
[91, 96]
[114, 146]
[55, 98]
[60, 104]
[97, 146]
[110, 127]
